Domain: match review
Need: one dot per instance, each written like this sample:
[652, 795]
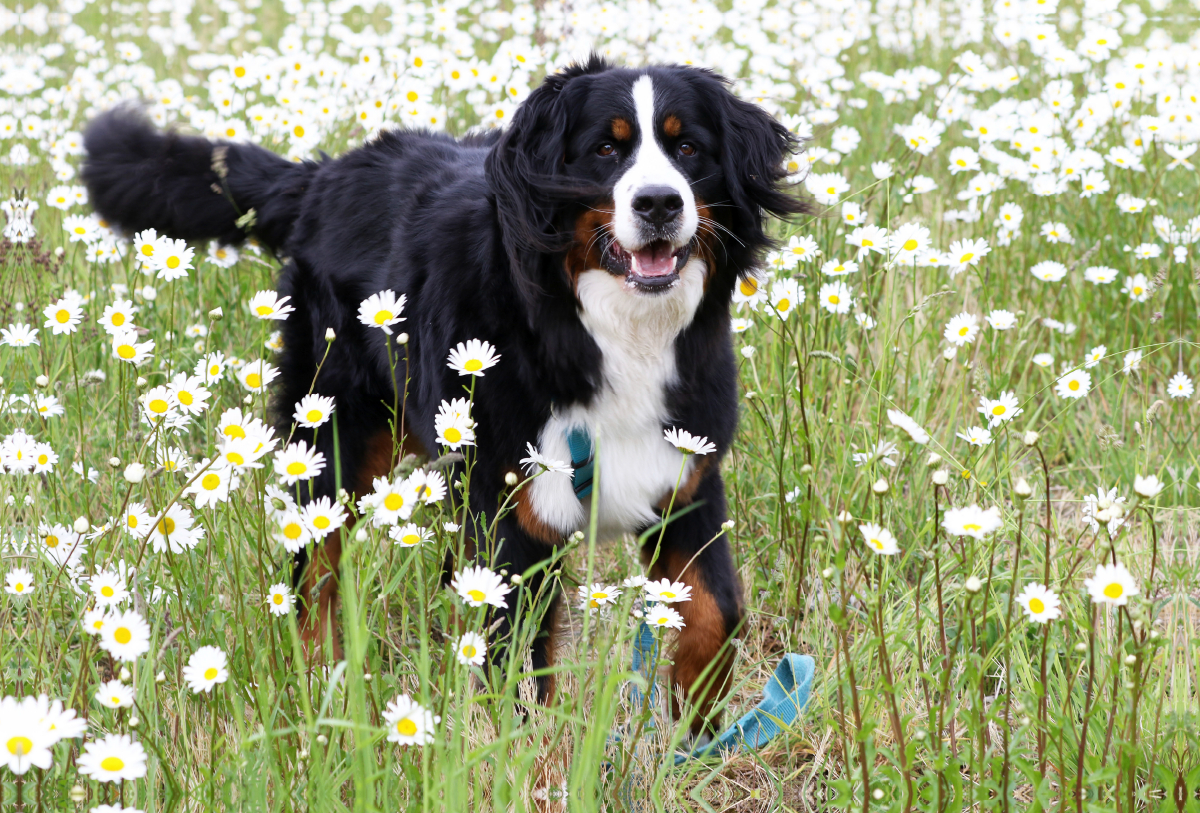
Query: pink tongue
[655, 260]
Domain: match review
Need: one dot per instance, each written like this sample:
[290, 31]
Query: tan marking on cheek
[587, 248]
[672, 126]
[621, 129]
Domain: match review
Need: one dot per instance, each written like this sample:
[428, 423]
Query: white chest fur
[636, 465]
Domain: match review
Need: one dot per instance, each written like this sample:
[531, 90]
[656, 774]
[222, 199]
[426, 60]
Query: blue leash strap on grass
[784, 698]
[645, 659]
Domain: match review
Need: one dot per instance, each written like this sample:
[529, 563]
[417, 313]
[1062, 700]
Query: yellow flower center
[292, 530]
[476, 595]
[185, 398]
[210, 673]
[296, 467]
[298, 130]
[123, 635]
[966, 258]
[158, 406]
[1036, 605]
[410, 540]
[406, 727]
[19, 745]
[382, 316]
[971, 526]
[999, 409]
[112, 763]
[106, 591]
[63, 316]
[239, 71]
[748, 287]
[1072, 385]
[473, 365]
[132, 521]
[173, 262]
[254, 380]
[264, 310]
[235, 458]
[963, 331]
[277, 598]
[235, 431]
[166, 526]
[867, 243]
[910, 245]
[1114, 590]
[834, 299]
[52, 541]
[313, 415]
[20, 587]
[469, 651]
[453, 435]
[118, 319]
[877, 543]
[412, 96]
[667, 594]
[783, 304]
[210, 481]
[393, 502]
[126, 351]
[321, 522]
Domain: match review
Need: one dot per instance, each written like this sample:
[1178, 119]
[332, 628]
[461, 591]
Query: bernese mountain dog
[595, 242]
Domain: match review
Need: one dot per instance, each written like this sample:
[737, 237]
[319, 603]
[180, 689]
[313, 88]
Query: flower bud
[216, 314]
[748, 351]
[1131, 660]
[1031, 438]
[141, 382]
[877, 794]
[1022, 489]
[77, 794]
[125, 674]
[330, 335]
[827, 573]
[367, 677]
[973, 585]
[880, 486]
[135, 472]
[160, 677]
[933, 459]
[402, 338]
[941, 477]
[517, 578]
[114, 462]
[510, 479]
[845, 517]
[42, 381]
[360, 535]
[949, 353]
[727, 525]
[1081, 647]
[133, 722]
[322, 739]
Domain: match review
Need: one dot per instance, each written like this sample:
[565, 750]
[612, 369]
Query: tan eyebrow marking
[672, 126]
[621, 129]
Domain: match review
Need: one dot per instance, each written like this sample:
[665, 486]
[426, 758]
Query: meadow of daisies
[965, 480]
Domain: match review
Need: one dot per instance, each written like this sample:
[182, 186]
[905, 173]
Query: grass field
[995, 308]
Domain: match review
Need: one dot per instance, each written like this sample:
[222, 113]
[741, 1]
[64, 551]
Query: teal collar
[583, 460]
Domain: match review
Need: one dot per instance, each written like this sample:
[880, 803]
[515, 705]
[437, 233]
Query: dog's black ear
[752, 161]
[524, 172]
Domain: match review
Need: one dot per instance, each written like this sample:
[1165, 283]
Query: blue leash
[783, 700]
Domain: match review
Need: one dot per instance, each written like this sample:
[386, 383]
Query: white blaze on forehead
[650, 167]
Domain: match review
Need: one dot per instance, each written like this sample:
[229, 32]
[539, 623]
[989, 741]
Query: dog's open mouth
[654, 267]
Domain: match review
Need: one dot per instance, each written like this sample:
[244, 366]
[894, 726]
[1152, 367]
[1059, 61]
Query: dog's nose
[657, 205]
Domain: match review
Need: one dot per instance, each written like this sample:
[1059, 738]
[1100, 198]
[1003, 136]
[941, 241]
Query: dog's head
[635, 172]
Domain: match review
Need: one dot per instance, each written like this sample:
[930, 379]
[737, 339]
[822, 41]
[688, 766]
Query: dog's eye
[687, 149]
[605, 149]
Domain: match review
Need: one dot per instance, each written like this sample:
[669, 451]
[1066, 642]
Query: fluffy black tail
[140, 178]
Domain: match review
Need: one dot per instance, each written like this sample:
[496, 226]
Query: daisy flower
[1000, 410]
[472, 357]
[1148, 487]
[323, 516]
[470, 649]
[1057, 233]
[837, 268]
[1095, 356]
[409, 535]
[907, 241]
[535, 463]
[172, 259]
[382, 310]
[868, 238]
[94, 620]
[19, 336]
[801, 249]
[115, 695]
[113, 759]
[211, 487]
[279, 599]
[976, 436]
[313, 410]
[409, 723]
[173, 531]
[1180, 386]
[1132, 361]
[25, 739]
[1138, 288]
[1112, 584]
[478, 586]
[1002, 320]
[1043, 360]
[597, 596]
[18, 582]
[1147, 251]
[1130, 205]
[256, 375]
[835, 297]
[1100, 274]
[965, 253]
[914, 429]
[827, 188]
[125, 347]
[298, 462]
[972, 521]
[190, 393]
[1074, 384]
[145, 245]
[662, 616]
[1049, 271]
[293, 532]
[117, 317]
[108, 586]
[205, 669]
[391, 501]
[269, 305]
[428, 486]
[666, 591]
[786, 296]
[454, 426]
[125, 635]
[688, 443]
[1040, 603]
[961, 329]
[63, 316]
[749, 291]
[879, 539]
[211, 368]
